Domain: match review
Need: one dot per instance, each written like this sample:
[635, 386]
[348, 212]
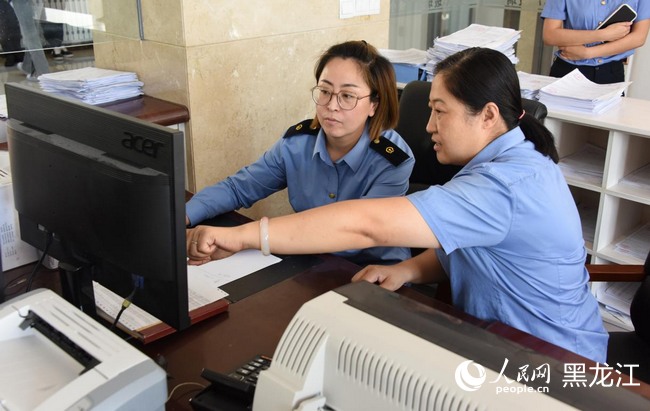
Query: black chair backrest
[414, 114]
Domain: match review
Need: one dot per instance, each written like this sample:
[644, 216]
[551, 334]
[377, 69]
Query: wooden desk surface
[151, 109]
[252, 326]
[255, 325]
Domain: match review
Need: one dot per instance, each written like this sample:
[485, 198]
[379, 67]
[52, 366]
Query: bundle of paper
[575, 92]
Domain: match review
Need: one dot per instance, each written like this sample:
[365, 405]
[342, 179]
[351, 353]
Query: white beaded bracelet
[264, 236]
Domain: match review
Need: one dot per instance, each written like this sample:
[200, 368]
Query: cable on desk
[183, 384]
[48, 243]
[137, 283]
[125, 304]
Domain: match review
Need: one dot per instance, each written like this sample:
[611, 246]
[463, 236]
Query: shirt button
[600, 61]
[603, 2]
[332, 195]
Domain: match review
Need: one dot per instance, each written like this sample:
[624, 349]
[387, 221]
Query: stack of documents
[93, 85]
[575, 92]
[476, 35]
[614, 300]
[530, 84]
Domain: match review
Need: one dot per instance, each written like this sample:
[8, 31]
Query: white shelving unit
[603, 158]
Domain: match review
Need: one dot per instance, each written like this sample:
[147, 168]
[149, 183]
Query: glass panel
[41, 36]
[416, 23]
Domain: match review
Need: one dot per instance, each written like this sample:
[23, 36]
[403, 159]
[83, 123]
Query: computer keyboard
[232, 391]
[249, 371]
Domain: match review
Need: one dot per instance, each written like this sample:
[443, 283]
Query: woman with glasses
[347, 151]
[505, 230]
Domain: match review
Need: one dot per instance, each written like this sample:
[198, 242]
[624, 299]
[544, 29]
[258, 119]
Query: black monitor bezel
[132, 141]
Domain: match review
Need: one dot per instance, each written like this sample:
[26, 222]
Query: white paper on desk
[4, 113]
[133, 318]
[200, 292]
[238, 265]
[15, 252]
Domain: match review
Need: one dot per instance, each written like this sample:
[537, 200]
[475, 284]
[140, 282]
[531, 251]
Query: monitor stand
[77, 287]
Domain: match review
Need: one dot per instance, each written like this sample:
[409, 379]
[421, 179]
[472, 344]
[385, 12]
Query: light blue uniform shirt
[587, 15]
[512, 245]
[302, 164]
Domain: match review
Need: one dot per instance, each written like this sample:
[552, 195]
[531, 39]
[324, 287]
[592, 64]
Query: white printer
[55, 357]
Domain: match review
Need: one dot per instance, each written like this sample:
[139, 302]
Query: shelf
[605, 159]
[635, 186]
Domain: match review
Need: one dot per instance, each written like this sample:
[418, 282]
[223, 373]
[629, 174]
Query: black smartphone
[623, 13]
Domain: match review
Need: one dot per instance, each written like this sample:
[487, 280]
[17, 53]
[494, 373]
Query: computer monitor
[361, 347]
[104, 194]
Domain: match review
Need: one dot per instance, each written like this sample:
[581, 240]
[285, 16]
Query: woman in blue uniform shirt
[347, 151]
[598, 54]
[505, 230]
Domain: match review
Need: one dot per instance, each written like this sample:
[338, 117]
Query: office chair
[414, 114]
[630, 347]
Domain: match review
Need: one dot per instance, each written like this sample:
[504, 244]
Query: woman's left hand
[390, 277]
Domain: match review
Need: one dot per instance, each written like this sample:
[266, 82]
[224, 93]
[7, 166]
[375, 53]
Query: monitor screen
[104, 194]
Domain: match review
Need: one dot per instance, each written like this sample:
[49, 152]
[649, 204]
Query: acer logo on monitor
[141, 144]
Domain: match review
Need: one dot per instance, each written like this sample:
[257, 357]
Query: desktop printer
[55, 357]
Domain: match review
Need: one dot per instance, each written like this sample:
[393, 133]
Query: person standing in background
[34, 63]
[10, 36]
[600, 55]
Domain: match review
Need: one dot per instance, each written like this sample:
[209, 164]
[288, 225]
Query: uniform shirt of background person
[484, 218]
[586, 15]
[301, 163]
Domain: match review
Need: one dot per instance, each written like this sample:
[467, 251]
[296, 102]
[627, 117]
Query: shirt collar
[498, 146]
[353, 158]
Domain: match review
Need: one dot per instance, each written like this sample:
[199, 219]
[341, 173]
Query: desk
[255, 325]
[252, 326]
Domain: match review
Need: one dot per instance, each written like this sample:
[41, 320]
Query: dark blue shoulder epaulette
[304, 127]
[389, 151]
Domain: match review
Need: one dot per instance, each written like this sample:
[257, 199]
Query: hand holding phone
[623, 13]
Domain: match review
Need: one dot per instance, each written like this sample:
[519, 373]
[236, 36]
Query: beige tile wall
[243, 69]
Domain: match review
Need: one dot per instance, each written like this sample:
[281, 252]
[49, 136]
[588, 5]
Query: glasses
[346, 99]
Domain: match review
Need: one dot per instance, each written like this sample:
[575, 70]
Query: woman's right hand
[616, 31]
[206, 243]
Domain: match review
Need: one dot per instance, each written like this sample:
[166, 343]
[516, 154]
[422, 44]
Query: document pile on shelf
[576, 92]
[585, 166]
[635, 245]
[475, 35]
[530, 84]
[614, 300]
[637, 180]
[92, 85]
